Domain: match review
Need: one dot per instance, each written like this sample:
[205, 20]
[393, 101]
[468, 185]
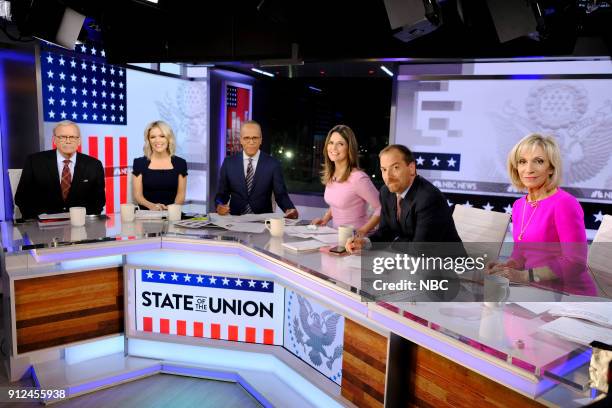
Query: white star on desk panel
[90, 72]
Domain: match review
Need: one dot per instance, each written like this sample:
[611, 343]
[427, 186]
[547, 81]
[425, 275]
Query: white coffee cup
[276, 226]
[128, 212]
[174, 212]
[77, 216]
[492, 325]
[496, 290]
[78, 234]
[344, 233]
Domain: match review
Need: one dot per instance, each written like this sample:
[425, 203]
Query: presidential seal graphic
[560, 110]
[315, 335]
[186, 111]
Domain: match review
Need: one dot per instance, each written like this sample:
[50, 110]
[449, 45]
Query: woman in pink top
[547, 224]
[348, 190]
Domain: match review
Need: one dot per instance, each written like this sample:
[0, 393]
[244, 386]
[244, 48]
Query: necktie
[398, 208]
[66, 179]
[249, 182]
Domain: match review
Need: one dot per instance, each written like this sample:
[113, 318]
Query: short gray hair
[66, 123]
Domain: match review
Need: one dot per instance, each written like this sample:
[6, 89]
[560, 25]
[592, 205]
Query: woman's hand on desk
[513, 275]
[492, 266]
[318, 221]
[157, 207]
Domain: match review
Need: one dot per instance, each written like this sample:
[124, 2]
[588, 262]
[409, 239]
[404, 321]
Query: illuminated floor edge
[271, 383]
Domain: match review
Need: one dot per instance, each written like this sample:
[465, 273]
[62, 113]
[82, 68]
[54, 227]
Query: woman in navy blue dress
[159, 177]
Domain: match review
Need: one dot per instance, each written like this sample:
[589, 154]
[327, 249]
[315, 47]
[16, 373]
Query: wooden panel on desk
[439, 382]
[364, 363]
[61, 309]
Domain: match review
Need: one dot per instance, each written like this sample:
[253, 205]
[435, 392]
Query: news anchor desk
[86, 308]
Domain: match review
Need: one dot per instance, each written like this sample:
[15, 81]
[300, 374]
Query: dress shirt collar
[255, 157]
[60, 159]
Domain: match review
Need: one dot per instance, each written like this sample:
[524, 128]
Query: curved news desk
[90, 307]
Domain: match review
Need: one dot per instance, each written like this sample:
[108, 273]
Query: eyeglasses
[68, 138]
[251, 139]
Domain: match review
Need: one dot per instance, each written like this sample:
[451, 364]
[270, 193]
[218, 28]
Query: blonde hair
[329, 166]
[166, 131]
[66, 123]
[552, 152]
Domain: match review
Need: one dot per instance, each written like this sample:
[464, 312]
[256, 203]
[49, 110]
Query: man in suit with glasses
[249, 178]
[52, 181]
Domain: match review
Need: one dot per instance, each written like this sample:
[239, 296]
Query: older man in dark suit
[52, 181]
[413, 209]
[249, 178]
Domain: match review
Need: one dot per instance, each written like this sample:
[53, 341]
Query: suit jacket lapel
[77, 176]
[240, 170]
[259, 170]
[52, 168]
[408, 201]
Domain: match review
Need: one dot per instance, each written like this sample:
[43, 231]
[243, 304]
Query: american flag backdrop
[82, 87]
[237, 111]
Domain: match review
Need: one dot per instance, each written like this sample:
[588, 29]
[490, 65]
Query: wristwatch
[532, 276]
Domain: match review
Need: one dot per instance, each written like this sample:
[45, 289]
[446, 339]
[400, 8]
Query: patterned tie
[66, 179]
[398, 208]
[249, 183]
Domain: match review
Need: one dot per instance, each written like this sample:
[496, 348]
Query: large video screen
[461, 120]
[113, 105]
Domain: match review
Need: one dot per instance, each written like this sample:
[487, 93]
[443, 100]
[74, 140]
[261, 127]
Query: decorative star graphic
[238, 282]
[420, 161]
[162, 276]
[435, 161]
[187, 278]
[200, 279]
[451, 162]
[150, 275]
[264, 284]
[212, 280]
[251, 283]
[508, 209]
[598, 216]
[488, 207]
[467, 204]
[174, 276]
[225, 281]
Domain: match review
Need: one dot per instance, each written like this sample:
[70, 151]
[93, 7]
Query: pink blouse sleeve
[365, 189]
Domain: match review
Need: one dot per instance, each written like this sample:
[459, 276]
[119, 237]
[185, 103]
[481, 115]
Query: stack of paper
[578, 331]
[597, 312]
[304, 246]
[53, 220]
[150, 215]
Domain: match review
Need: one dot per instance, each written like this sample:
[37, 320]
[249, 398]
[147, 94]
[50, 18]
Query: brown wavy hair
[329, 167]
